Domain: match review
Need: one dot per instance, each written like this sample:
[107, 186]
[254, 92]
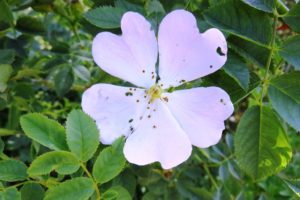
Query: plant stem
[90, 176]
[265, 79]
[214, 183]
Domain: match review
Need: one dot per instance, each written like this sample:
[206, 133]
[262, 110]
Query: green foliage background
[49, 148]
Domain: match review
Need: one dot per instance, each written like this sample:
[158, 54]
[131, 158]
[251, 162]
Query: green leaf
[45, 131]
[235, 91]
[116, 193]
[264, 5]
[6, 16]
[63, 80]
[106, 17]
[78, 188]
[82, 135]
[32, 191]
[7, 56]
[62, 162]
[250, 51]
[284, 93]
[292, 18]
[293, 184]
[125, 5]
[10, 194]
[82, 72]
[2, 145]
[12, 170]
[261, 145]
[240, 19]
[5, 72]
[31, 25]
[290, 51]
[110, 162]
[238, 70]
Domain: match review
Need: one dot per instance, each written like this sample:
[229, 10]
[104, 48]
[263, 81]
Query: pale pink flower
[159, 126]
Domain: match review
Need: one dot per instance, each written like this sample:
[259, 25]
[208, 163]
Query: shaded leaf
[5, 72]
[31, 25]
[285, 97]
[105, 17]
[290, 50]
[264, 5]
[32, 191]
[7, 56]
[238, 70]
[63, 80]
[292, 18]
[6, 16]
[294, 185]
[238, 18]
[10, 194]
[250, 51]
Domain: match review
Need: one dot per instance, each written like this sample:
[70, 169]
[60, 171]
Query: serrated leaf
[261, 145]
[292, 18]
[78, 188]
[238, 70]
[284, 93]
[32, 191]
[62, 162]
[63, 80]
[7, 56]
[44, 131]
[110, 162]
[240, 19]
[12, 170]
[10, 194]
[264, 5]
[105, 17]
[5, 72]
[82, 135]
[116, 193]
[290, 50]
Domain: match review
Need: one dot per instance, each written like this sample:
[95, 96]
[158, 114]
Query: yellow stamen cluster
[154, 92]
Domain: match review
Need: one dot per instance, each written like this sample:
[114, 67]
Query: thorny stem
[265, 79]
[91, 177]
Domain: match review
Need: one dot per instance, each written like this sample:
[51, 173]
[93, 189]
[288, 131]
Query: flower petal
[184, 53]
[114, 108]
[158, 138]
[133, 55]
[201, 113]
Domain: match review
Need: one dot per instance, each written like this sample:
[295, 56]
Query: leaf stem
[91, 177]
[265, 79]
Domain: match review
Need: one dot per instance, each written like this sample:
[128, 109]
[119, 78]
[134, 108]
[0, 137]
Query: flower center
[154, 92]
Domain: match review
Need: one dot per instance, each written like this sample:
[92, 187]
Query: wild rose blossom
[158, 125]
